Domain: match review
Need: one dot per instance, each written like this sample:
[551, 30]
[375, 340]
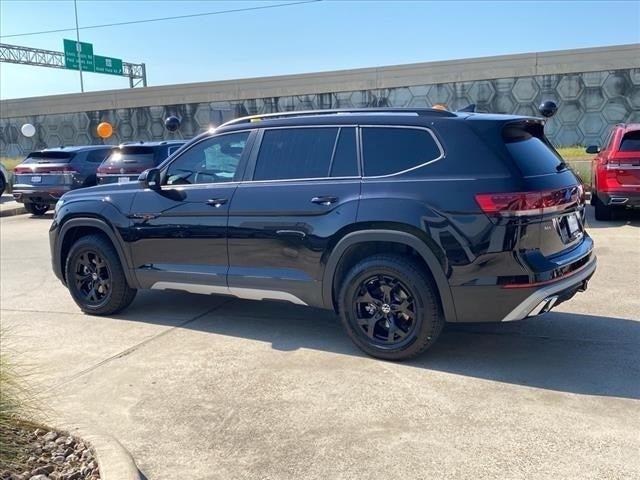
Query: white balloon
[28, 130]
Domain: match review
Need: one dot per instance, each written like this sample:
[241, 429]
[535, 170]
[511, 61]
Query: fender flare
[109, 232]
[404, 238]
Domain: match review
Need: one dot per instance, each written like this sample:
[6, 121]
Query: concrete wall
[594, 88]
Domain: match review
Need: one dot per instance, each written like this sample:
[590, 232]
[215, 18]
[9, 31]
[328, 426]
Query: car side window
[345, 157]
[291, 153]
[389, 150]
[213, 160]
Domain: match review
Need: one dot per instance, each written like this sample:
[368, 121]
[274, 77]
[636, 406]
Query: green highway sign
[72, 52]
[112, 66]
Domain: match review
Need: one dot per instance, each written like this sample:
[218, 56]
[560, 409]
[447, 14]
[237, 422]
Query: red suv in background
[616, 171]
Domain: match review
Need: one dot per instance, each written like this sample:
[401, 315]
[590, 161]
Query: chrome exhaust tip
[618, 200]
[544, 306]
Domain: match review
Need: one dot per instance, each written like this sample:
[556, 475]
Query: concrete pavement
[214, 388]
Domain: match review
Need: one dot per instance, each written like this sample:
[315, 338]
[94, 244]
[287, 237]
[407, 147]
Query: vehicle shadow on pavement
[567, 352]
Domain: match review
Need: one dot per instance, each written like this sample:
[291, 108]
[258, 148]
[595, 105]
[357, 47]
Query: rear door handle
[216, 202]
[324, 200]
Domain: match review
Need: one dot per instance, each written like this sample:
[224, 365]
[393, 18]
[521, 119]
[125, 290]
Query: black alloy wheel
[389, 307]
[95, 276]
[385, 310]
[92, 278]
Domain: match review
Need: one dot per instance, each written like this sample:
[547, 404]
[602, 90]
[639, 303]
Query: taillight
[44, 169]
[529, 203]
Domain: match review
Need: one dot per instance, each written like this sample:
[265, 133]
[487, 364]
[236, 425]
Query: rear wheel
[3, 184]
[389, 307]
[95, 277]
[37, 209]
[603, 212]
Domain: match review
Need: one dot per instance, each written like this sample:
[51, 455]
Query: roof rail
[341, 111]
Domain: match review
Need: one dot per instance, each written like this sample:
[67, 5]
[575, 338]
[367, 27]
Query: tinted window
[345, 158]
[295, 153]
[392, 150]
[132, 156]
[97, 156]
[530, 151]
[49, 157]
[630, 142]
[211, 161]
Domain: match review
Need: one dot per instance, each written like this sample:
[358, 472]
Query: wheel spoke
[371, 328]
[366, 297]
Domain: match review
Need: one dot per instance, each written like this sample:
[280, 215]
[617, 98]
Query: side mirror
[593, 149]
[150, 179]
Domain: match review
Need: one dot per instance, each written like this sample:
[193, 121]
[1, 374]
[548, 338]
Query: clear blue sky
[327, 35]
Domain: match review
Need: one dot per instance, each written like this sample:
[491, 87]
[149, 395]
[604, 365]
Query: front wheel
[36, 209]
[95, 277]
[389, 307]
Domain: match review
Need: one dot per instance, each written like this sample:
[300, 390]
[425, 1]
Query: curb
[12, 211]
[114, 461]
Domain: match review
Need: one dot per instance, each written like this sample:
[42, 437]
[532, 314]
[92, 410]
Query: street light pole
[78, 48]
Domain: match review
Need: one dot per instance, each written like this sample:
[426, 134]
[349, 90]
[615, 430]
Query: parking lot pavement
[213, 388]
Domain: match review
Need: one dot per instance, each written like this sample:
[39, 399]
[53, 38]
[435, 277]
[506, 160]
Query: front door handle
[324, 200]
[216, 202]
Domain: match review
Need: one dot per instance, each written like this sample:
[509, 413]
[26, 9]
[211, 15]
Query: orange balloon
[105, 130]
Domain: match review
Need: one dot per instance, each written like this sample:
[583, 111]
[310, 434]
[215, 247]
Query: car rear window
[49, 157]
[134, 156]
[530, 150]
[393, 150]
[630, 142]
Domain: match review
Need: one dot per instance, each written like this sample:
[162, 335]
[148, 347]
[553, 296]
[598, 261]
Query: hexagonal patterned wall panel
[588, 104]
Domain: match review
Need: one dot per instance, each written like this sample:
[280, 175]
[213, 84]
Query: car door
[302, 186]
[179, 232]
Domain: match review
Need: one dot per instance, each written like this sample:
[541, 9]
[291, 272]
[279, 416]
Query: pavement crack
[136, 347]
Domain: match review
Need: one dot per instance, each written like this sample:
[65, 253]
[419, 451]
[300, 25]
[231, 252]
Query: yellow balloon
[105, 130]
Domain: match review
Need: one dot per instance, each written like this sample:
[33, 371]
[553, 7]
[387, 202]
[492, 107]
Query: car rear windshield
[138, 156]
[530, 150]
[630, 142]
[48, 157]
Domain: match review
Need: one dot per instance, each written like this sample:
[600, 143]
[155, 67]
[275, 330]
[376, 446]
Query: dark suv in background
[45, 175]
[399, 220]
[127, 161]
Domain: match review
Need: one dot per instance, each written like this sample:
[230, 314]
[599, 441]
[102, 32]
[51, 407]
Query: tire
[36, 209]
[3, 184]
[410, 318]
[603, 213]
[95, 277]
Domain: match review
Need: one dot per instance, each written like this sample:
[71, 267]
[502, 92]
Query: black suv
[126, 162]
[399, 220]
[45, 175]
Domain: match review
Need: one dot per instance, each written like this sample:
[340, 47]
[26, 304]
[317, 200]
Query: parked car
[616, 171]
[128, 161]
[399, 220]
[45, 175]
[4, 178]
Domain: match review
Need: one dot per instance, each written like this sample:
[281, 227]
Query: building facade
[594, 89]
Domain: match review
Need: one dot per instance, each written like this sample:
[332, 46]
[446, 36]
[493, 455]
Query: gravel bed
[50, 455]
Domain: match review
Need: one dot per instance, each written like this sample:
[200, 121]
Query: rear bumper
[497, 301]
[38, 194]
[620, 199]
[548, 296]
